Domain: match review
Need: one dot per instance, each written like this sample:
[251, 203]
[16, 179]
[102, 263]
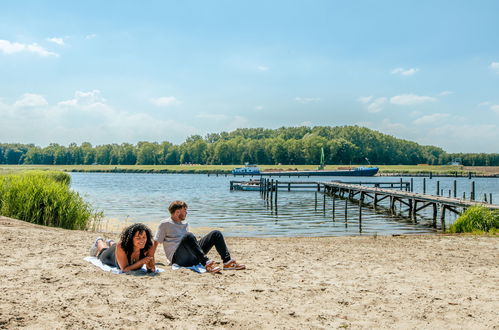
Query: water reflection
[144, 197]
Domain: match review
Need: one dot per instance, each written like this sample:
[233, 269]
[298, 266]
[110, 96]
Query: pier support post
[424, 185]
[434, 215]
[334, 204]
[442, 217]
[360, 211]
[324, 202]
[438, 188]
[316, 200]
[414, 206]
[455, 188]
[346, 209]
[276, 189]
[472, 197]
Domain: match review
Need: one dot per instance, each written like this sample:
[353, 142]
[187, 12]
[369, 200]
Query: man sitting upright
[182, 247]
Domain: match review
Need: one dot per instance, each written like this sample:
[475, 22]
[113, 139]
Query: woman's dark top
[108, 256]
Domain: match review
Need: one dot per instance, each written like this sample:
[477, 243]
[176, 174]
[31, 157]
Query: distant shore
[385, 170]
[429, 281]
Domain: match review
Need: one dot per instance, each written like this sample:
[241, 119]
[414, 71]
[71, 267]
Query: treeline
[285, 145]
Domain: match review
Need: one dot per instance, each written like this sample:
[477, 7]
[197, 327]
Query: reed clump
[476, 219]
[45, 198]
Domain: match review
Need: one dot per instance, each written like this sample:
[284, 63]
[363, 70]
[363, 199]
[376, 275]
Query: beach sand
[408, 282]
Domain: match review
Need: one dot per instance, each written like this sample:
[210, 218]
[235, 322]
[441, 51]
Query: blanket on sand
[116, 270]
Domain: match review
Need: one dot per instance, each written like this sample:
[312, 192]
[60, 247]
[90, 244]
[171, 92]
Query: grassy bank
[478, 220]
[45, 198]
[448, 170]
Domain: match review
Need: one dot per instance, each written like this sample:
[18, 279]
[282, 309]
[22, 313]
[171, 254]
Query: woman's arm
[151, 264]
[122, 260]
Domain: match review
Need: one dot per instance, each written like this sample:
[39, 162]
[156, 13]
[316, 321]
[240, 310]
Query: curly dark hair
[127, 239]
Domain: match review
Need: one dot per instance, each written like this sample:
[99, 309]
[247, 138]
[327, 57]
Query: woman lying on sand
[130, 253]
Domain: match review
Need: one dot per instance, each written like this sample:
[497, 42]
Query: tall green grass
[476, 219]
[45, 198]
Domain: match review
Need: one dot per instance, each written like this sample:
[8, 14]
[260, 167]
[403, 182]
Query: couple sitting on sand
[136, 246]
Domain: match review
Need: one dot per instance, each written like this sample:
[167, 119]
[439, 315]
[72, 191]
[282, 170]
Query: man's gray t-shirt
[170, 233]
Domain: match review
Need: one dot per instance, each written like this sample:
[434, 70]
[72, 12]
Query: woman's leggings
[191, 252]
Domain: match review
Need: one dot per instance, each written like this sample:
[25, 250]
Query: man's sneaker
[232, 264]
[93, 249]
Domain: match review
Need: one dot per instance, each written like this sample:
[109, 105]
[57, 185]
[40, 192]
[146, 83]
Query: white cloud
[31, 100]
[59, 41]
[431, 119]
[91, 98]
[306, 123]
[405, 72]
[495, 66]
[263, 68]
[495, 108]
[376, 105]
[90, 36]
[411, 99]
[259, 107]
[165, 101]
[307, 99]
[365, 99]
[445, 93]
[86, 117]
[9, 48]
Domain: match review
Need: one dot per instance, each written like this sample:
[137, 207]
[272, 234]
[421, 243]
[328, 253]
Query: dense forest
[285, 145]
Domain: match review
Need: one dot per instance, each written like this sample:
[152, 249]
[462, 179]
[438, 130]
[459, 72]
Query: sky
[128, 71]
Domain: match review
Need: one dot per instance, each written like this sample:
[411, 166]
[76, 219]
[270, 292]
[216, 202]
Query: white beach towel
[116, 270]
[197, 268]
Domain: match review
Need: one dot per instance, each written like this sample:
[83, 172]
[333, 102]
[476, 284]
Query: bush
[45, 198]
[476, 219]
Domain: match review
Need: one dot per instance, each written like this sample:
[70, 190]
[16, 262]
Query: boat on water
[247, 186]
[357, 171]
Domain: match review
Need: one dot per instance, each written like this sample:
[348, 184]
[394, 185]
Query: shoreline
[413, 281]
[384, 170]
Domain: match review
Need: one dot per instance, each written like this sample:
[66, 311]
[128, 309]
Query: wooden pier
[414, 202]
[373, 193]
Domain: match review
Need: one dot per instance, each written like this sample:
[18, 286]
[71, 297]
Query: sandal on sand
[232, 264]
[211, 267]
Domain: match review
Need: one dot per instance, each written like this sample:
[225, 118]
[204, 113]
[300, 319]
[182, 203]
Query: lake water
[132, 197]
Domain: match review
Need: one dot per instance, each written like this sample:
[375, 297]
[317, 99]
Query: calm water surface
[131, 197]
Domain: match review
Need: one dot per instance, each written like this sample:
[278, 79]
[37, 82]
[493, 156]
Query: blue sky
[114, 71]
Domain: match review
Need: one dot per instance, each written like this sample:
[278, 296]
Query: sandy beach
[408, 282]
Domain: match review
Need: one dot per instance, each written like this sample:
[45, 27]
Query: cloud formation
[59, 41]
[85, 117]
[10, 48]
[405, 72]
[31, 100]
[431, 119]
[263, 68]
[411, 99]
[495, 66]
[376, 105]
[165, 101]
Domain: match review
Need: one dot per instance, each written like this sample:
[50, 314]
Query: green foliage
[44, 198]
[476, 219]
[286, 145]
